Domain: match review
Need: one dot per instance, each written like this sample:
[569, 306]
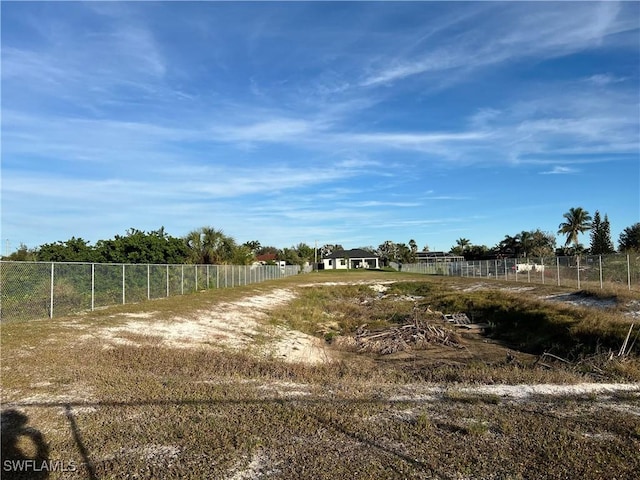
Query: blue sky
[350, 123]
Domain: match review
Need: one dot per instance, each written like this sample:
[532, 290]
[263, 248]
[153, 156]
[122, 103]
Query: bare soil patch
[582, 300]
[236, 324]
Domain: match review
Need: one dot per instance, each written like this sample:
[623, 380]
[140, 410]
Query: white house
[350, 259]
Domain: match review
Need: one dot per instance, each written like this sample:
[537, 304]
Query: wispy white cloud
[119, 63]
[503, 35]
[604, 79]
[236, 182]
[445, 144]
[83, 140]
[271, 130]
[136, 46]
[559, 170]
[378, 203]
[34, 68]
[447, 197]
[564, 120]
[414, 223]
[359, 163]
[413, 139]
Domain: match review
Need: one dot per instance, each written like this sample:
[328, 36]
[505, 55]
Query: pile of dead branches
[416, 335]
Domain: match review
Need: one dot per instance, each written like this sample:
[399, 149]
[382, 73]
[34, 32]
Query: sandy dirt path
[237, 324]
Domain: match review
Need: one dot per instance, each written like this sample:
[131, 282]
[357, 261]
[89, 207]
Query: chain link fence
[30, 290]
[586, 271]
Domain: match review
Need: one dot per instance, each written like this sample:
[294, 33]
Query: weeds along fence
[585, 271]
[30, 290]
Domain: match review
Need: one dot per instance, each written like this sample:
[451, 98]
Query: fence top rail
[536, 259]
[20, 262]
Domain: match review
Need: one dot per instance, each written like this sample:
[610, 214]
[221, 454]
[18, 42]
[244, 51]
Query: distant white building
[350, 259]
[529, 267]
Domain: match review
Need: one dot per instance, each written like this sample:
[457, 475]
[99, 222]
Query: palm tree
[577, 221]
[210, 246]
[403, 253]
[525, 242]
[509, 246]
[462, 243]
[253, 245]
[414, 250]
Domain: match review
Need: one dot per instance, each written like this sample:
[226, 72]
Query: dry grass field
[269, 381]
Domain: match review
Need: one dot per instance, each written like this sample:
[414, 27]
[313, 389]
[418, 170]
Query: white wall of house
[344, 264]
[335, 264]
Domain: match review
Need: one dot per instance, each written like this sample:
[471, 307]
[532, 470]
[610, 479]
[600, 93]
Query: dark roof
[354, 253]
[266, 257]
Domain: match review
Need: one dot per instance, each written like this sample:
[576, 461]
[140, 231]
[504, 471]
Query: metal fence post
[600, 262]
[51, 300]
[578, 269]
[207, 277]
[93, 286]
[182, 280]
[195, 267]
[148, 282]
[628, 272]
[123, 285]
[542, 268]
[528, 271]
[558, 269]
[167, 280]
